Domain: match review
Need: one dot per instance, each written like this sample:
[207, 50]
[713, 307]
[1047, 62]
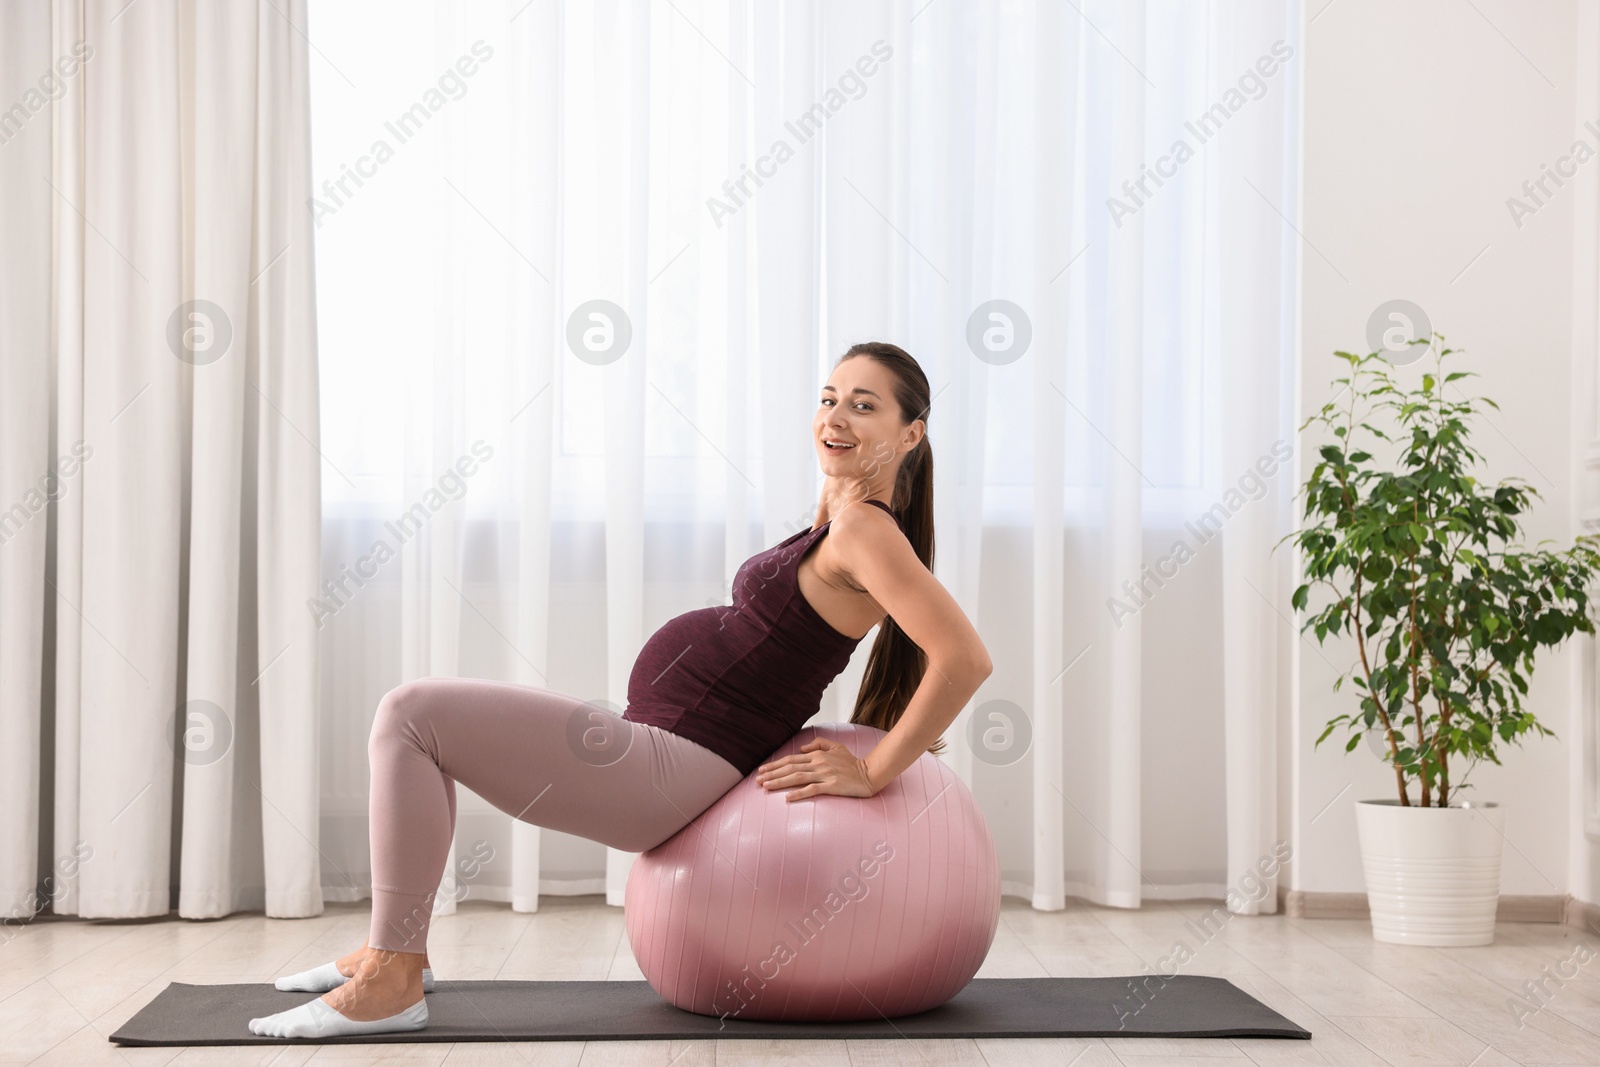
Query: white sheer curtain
[488, 174]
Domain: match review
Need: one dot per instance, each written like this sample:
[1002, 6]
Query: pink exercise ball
[825, 909]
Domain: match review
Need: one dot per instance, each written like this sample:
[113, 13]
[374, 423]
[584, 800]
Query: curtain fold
[29, 453]
[156, 205]
[1257, 190]
[1056, 294]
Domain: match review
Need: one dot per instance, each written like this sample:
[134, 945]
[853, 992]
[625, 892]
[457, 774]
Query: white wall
[1421, 119]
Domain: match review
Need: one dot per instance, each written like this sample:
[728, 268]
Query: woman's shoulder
[857, 532]
[864, 516]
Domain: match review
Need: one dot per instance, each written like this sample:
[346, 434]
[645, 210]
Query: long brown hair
[896, 665]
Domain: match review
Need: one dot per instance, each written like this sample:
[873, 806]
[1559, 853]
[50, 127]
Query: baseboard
[1582, 913]
[1513, 908]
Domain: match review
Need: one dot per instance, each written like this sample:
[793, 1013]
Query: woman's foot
[383, 995]
[327, 976]
[317, 1021]
[384, 984]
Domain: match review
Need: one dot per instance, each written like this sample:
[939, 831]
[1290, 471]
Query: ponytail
[896, 665]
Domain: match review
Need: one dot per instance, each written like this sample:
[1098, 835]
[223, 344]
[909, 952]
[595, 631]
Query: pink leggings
[541, 756]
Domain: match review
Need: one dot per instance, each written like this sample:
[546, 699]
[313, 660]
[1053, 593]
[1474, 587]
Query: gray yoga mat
[1185, 1006]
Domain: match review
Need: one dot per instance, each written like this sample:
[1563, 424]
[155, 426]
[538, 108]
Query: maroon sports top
[744, 679]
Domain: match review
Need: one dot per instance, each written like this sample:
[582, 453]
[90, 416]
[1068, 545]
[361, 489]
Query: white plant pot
[1433, 874]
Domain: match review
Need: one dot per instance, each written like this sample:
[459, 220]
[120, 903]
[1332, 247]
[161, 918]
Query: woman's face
[857, 407]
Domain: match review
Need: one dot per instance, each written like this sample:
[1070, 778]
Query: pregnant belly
[685, 657]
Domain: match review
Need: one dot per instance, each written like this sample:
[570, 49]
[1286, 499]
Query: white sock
[327, 976]
[319, 1019]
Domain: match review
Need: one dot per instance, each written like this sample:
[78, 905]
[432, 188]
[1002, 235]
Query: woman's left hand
[821, 766]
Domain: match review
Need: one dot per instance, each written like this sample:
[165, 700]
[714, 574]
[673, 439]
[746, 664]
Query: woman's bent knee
[403, 704]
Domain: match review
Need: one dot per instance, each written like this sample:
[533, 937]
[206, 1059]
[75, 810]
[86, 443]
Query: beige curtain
[159, 465]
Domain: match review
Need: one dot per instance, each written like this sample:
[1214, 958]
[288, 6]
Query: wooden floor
[65, 985]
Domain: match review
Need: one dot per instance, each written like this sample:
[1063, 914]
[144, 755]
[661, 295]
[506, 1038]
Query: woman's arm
[876, 556]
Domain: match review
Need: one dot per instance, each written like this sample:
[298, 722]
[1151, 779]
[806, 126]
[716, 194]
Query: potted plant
[1426, 574]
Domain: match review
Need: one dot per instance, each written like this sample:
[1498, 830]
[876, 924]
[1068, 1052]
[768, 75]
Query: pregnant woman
[712, 694]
